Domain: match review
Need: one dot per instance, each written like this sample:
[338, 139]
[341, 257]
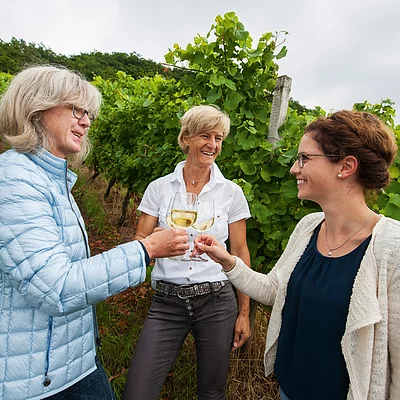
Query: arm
[238, 247]
[260, 287]
[146, 225]
[42, 267]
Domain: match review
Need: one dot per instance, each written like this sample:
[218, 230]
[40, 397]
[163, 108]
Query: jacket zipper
[94, 313]
[47, 380]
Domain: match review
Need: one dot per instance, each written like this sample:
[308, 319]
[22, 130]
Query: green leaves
[135, 140]
[143, 116]
[392, 208]
[5, 80]
[232, 100]
[217, 79]
[213, 95]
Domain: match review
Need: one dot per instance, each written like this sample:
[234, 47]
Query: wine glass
[183, 214]
[205, 220]
[169, 222]
[168, 214]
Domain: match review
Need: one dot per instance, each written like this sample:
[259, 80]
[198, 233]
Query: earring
[339, 175]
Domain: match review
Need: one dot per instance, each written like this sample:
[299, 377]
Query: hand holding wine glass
[183, 214]
[209, 244]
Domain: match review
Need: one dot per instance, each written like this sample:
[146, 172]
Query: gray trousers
[210, 317]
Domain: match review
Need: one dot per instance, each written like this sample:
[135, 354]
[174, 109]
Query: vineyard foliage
[4, 81]
[135, 136]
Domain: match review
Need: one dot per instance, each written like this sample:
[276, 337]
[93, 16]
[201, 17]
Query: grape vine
[135, 137]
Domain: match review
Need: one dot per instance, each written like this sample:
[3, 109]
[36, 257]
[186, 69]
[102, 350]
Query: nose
[84, 121]
[212, 142]
[295, 168]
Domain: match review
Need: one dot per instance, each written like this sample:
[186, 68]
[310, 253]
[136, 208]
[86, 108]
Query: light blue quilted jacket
[48, 283]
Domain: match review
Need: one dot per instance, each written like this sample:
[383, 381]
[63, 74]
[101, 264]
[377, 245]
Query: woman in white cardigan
[334, 332]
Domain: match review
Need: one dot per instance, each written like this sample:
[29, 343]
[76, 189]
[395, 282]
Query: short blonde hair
[35, 90]
[200, 119]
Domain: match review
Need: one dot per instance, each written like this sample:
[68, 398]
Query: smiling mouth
[301, 181]
[207, 153]
[76, 134]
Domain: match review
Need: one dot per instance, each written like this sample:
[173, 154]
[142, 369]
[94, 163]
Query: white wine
[201, 226]
[183, 218]
[169, 221]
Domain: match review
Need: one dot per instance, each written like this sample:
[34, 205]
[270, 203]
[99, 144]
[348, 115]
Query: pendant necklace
[354, 234]
[193, 181]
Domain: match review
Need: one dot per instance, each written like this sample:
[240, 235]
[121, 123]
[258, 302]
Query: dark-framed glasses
[80, 113]
[302, 158]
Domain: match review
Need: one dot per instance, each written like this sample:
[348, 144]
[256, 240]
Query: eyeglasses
[80, 113]
[302, 158]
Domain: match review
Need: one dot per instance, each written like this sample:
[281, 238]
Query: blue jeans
[283, 395]
[95, 386]
[211, 319]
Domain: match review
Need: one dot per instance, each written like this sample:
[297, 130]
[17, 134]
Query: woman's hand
[209, 244]
[166, 243]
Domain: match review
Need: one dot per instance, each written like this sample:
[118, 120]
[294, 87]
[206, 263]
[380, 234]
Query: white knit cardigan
[371, 341]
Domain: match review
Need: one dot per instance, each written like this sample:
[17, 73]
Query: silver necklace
[193, 181]
[354, 234]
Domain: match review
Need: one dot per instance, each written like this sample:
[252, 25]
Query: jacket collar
[54, 165]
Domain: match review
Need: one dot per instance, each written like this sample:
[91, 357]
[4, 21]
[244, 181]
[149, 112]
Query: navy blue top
[309, 362]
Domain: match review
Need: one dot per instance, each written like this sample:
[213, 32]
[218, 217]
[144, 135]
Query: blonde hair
[35, 90]
[200, 119]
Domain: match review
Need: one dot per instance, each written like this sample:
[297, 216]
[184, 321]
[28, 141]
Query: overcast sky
[339, 52]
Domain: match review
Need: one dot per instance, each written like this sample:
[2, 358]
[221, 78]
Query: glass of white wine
[183, 214]
[205, 220]
[168, 215]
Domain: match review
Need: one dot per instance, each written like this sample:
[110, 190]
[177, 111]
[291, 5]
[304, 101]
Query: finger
[243, 339]
[182, 234]
[236, 341]
[205, 239]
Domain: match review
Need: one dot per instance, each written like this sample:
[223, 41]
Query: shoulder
[19, 166]
[232, 186]
[12, 157]
[163, 180]
[387, 233]
[233, 191]
[385, 245]
[391, 223]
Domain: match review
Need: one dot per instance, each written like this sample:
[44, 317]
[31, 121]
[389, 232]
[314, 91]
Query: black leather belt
[186, 291]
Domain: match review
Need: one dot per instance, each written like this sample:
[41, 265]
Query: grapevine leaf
[289, 189]
[233, 100]
[246, 166]
[213, 95]
[282, 53]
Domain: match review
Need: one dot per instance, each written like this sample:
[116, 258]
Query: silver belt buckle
[182, 297]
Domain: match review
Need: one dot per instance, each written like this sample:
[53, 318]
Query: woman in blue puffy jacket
[48, 281]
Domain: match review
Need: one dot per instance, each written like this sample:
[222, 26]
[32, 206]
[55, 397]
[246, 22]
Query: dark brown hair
[358, 134]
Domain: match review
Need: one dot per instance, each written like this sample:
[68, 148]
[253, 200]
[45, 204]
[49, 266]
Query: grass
[121, 317]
